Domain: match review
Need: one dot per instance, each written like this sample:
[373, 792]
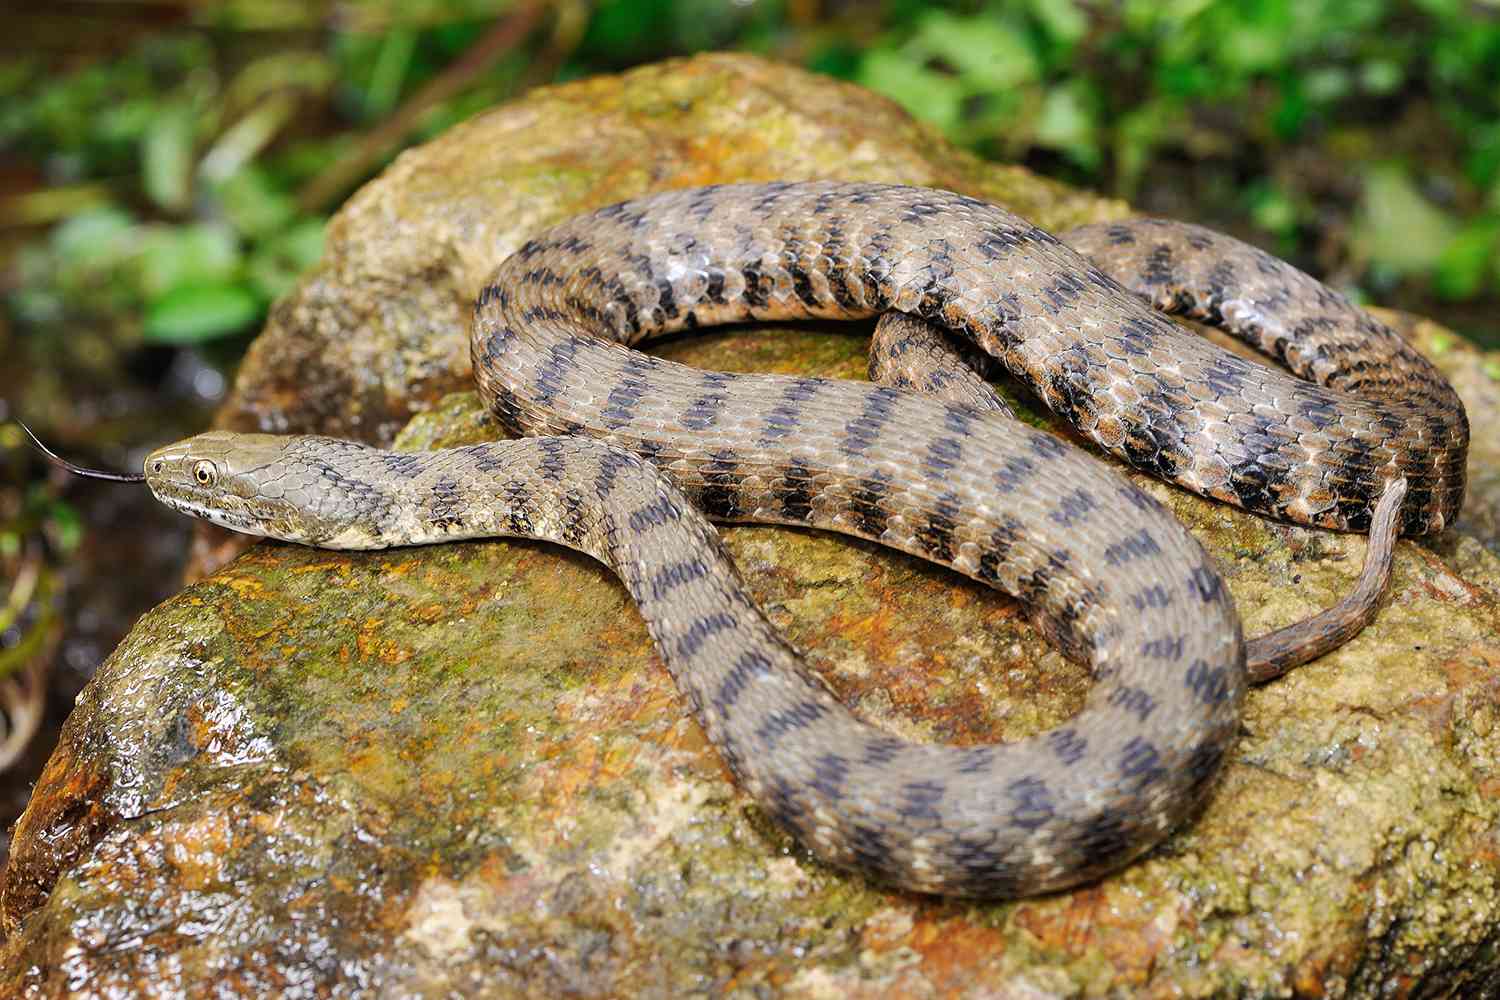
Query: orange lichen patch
[196, 850]
[468, 757]
[246, 587]
[326, 562]
[396, 568]
[374, 643]
[434, 612]
[706, 154]
[1313, 975]
[1128, 931]
[1476, 667]
[1442, 584]
[644, 699]
[1471, 683]
[886, 930]
[956, 951]
[65, 817]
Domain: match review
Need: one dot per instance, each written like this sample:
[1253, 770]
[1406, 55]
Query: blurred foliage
[38, 530]
[171, 206]
[1400, 98]
[182, 174]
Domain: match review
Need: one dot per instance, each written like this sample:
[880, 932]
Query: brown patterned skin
[912, 354]
[1312, 453]
[1143, 605]
[1111, 576]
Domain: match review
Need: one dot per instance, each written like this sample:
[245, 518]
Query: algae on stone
[462, 769]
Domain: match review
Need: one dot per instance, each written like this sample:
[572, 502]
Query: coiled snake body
[941, 472]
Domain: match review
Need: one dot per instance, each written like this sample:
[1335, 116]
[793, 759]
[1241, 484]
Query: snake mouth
[233, 520]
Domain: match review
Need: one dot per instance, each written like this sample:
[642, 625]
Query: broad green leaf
[988, 54]
[301, 70]
[1396, 228]
[126, 122]
[1067, 123]
[94, 238]
[390, 71]
[933, 97]
[1291, 111]
[193, 313]
[174, 256]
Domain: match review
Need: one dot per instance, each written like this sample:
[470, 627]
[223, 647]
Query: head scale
[250, 483]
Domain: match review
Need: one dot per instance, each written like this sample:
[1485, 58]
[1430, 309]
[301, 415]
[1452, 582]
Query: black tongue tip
[78, 470]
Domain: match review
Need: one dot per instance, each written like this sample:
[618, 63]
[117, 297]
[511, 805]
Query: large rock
[462, 769]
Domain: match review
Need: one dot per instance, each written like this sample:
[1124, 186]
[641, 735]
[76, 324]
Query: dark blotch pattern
[1106, 570]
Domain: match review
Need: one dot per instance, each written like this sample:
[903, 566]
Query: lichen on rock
[462, 769]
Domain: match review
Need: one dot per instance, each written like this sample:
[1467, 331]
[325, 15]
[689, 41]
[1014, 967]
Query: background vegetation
[166, 169]
[171, 177]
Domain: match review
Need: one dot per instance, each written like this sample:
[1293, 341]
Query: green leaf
[1326, 85]
[988, 54]
[94, 238]
[254, 204]
[1465, 262]
[1067, 122]
[237, 145]
[174, 256]
[166, 157]
[1482, 162]
[1061, 18]
[126, 122]
[838, 59]
[294, 70]
[1291, 111]
[392, 65]
[1381, 76]
[64, 526]
[933, 97]
[275, 266]
[1272, 209]
[193, 313]
[1397, 229]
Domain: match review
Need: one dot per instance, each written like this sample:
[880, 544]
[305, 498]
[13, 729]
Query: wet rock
[461, 769]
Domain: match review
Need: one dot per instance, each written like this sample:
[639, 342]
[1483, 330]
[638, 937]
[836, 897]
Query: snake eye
[204, 472]
[156, 465]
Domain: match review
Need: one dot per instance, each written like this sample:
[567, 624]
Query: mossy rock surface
[462, 770]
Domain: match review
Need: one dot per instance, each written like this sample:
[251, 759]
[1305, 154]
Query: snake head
[258, 484]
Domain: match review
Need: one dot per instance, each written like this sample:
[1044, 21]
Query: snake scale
[928, 463]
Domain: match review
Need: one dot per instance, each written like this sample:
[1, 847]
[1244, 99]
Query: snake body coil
[1112, 577]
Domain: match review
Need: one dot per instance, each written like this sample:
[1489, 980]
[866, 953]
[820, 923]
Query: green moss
[464, 767]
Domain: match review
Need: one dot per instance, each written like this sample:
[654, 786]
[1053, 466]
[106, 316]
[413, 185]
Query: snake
[630, 458]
